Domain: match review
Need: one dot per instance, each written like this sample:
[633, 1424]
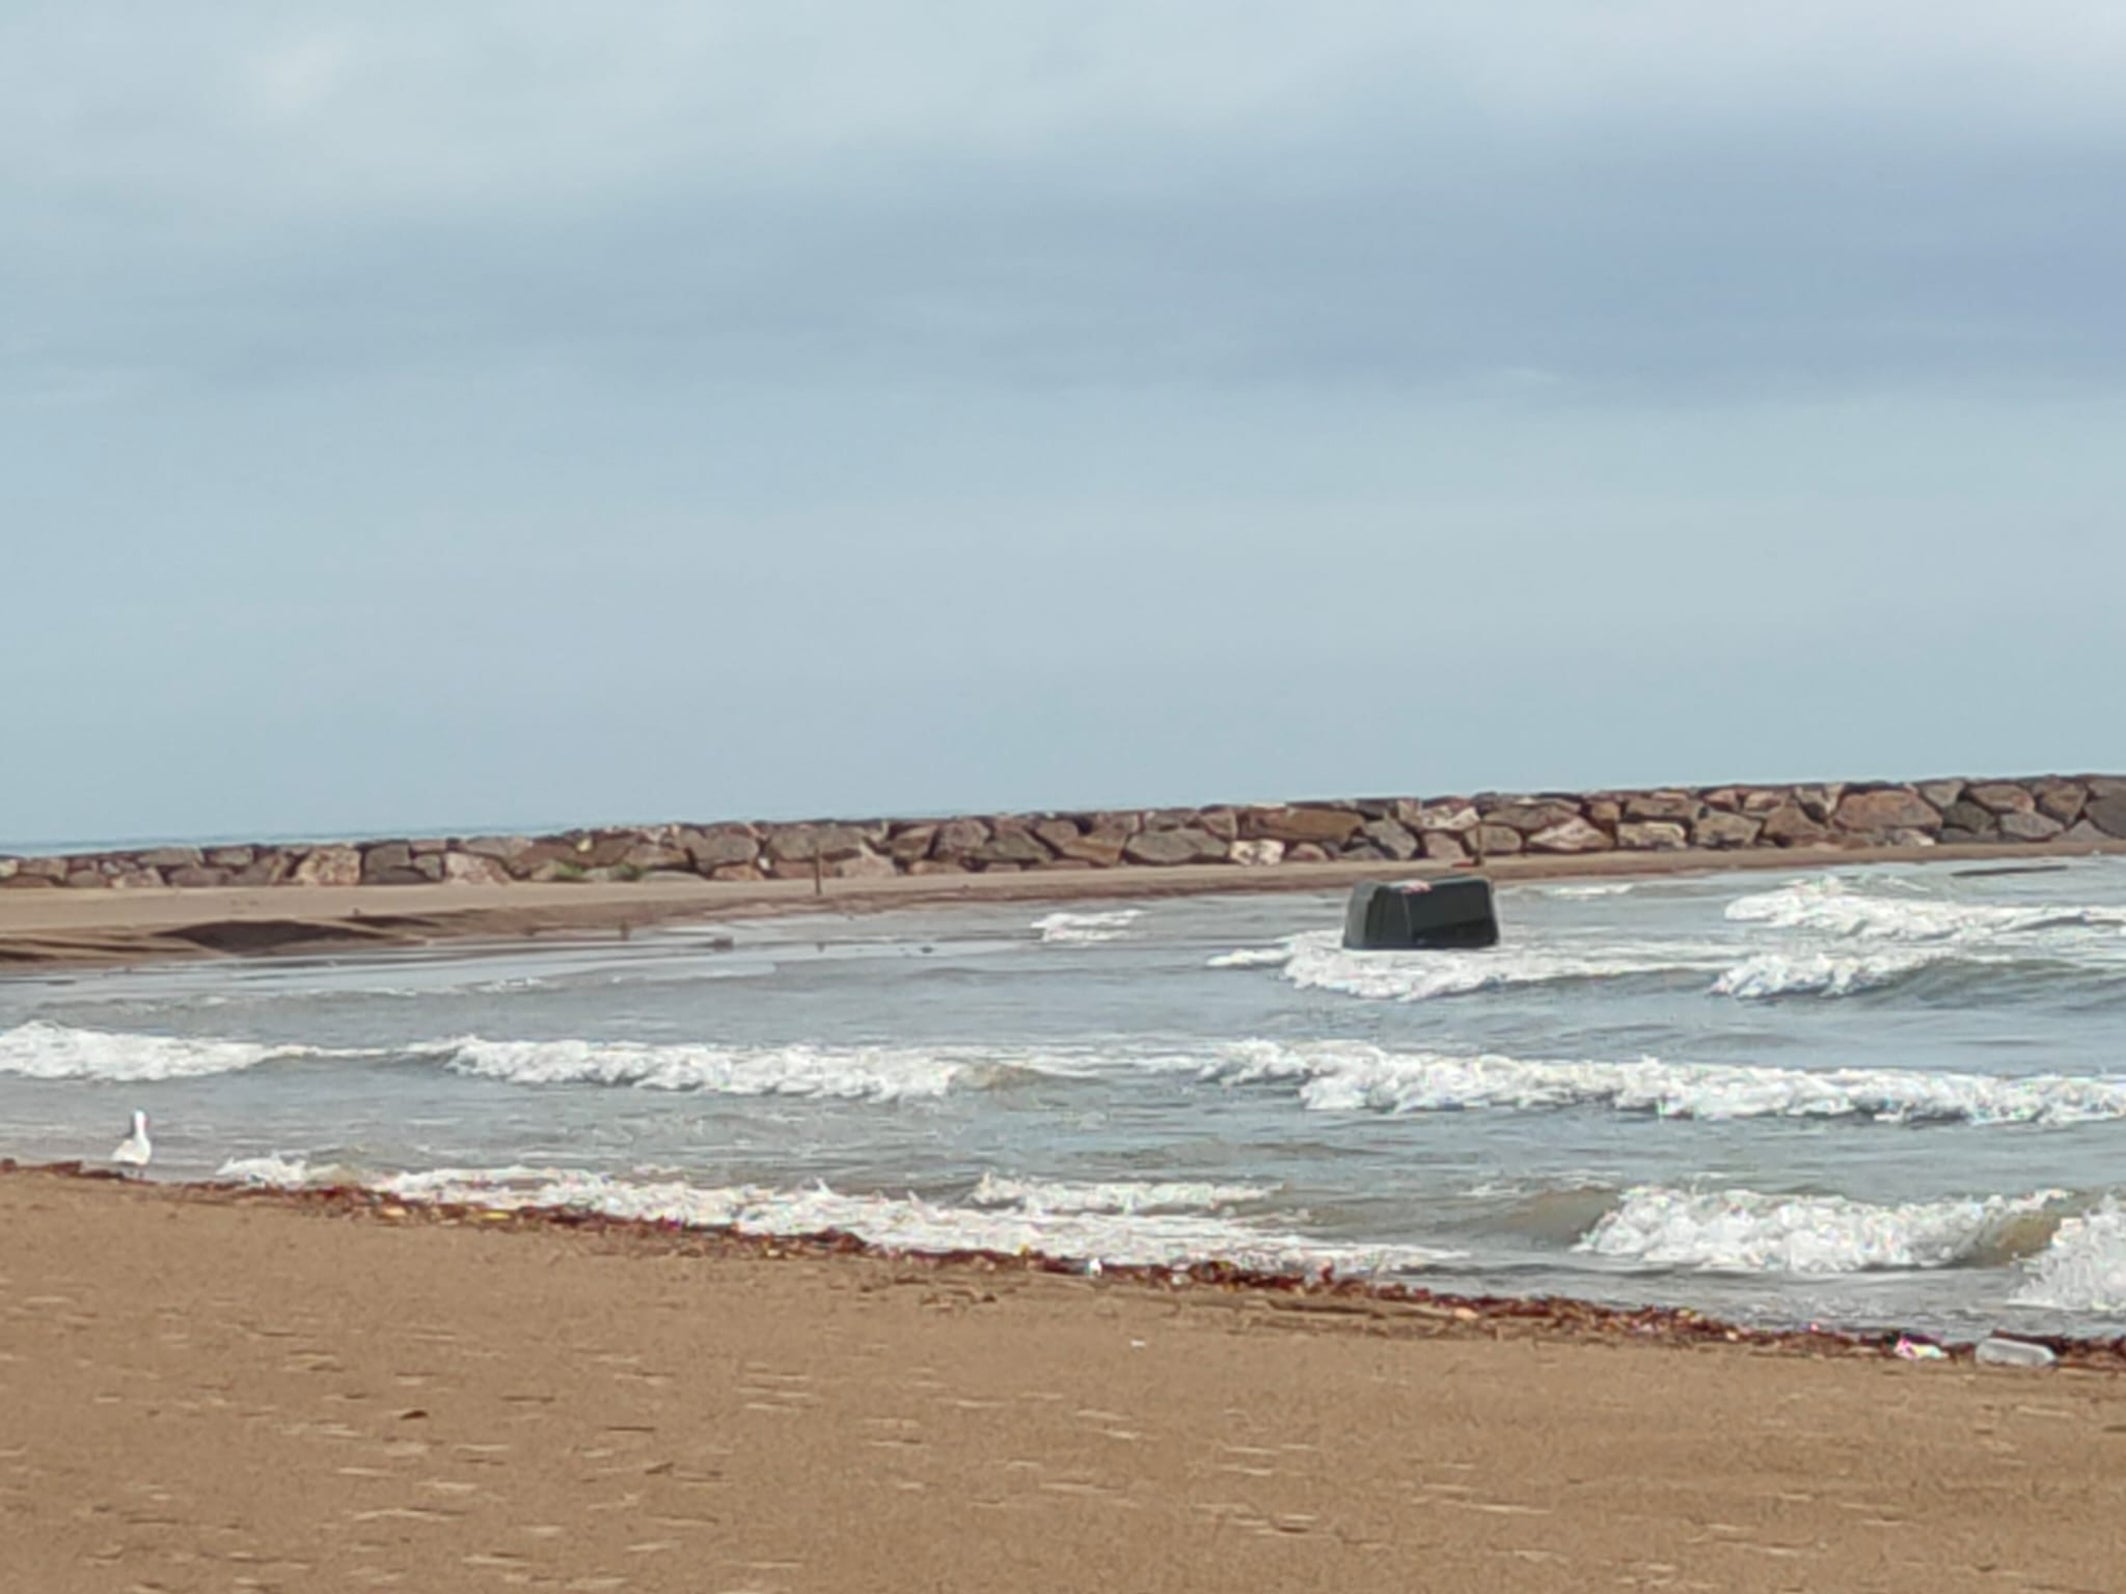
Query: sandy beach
[206, 1392]
[64, 927]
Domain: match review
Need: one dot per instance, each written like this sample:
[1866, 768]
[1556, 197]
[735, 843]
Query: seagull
[135, 1150]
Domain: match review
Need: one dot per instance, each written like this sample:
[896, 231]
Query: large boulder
[2001, 797]
[1652, 835]
[2061, 800]
[958, 838]
[1101, 848]
[1970, 819]
[1530, 816]
[1721, 829]
[1887, 808]
[864, 866]
[1261, 854]
[2108, 814]
[1330, 827]
[383, 858]
[1495, 841]
[329, 866]
[1393, 840]
[1164, 848]
[1450, 818]
[1675, 805]
[1444, 847]
[720, 847]
[1570, 835]
[1012, 843]
[465, 869]
[803, 843]
[2030, 827]
[1789, 825]
[170, 858]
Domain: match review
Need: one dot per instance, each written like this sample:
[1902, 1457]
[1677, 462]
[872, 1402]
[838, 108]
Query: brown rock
[798, 843]
[1790, 826]
[725, 844]
[923, 866]
[2030, 827]
[1306, 852]
[267, 869]
[1817, 801]
[137, 880]
[385, 855]
[1605, 811]
[1494, 841]
[1652, 835]
[647, 856]
[2001, 797]
[2082, 831]
[2107, 812]
[1330, 827]
[1888, 808]
[864, 866]
[198, 876]
[1670, 805]
[2106, 785]
[1255, 854]
[735, 871]
[957, 838]
[1529, 817]
[170, 858]
[1941, 793]
[408, 876]
[1103, 850]
[1724, 829]
[423, 846]
[429, 865]
[52, 869]
[1011, 843]
[1759, 801]
[503, 849]
[87, 879]
[1163, 848]
[1969, 818]
[329, 866]
[1442, 847]
[1224, 823]
[1392, 839]
[2061, 800]
[1056, 834]
[1727, 797]
[1570, 835]
[907, 843]
[464, 869]
[1453, 818]
[229, 857]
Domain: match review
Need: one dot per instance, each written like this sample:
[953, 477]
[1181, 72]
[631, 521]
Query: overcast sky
[418, 417]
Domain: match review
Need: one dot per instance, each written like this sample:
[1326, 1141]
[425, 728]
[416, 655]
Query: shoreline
[55, 930]
[212, 1390]
[1417, 1307]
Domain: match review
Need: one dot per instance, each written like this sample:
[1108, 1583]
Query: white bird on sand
[135, 1150]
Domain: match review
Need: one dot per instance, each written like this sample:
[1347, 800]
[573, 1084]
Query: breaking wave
[43, 1050]
[1833, 907]
[1742, 1231]
[853, 1073]
[1092, 1229]
[1084, 929]
[1356, 1076]
[2084, 1268]
[1120, 1196]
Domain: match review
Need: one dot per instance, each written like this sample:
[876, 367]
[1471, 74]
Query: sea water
[1874, 1097]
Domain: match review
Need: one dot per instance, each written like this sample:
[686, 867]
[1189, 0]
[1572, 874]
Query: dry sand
[201, 1392]
[59, 926]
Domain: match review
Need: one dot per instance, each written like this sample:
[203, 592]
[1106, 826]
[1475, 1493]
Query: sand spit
[60, 928]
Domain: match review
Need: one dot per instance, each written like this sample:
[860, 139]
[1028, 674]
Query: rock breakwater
[1444, 830]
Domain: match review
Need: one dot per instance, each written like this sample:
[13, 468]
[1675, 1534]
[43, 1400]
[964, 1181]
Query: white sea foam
[912, 1223]
[1318, 961]
[272, 1171]
[1770, 974]
[1082, 929]
[859, 1073]
[1587, 888]
[1252, 957]
[1741, 1231]
[1354, 1076]
[1119, 1196]
[1832, 906]
[2084, 1268]
[43, 1050]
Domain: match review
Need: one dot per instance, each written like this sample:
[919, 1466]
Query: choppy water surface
[1887, 1096]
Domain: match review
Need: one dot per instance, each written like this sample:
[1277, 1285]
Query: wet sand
[210, 1392]
[56, 926]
